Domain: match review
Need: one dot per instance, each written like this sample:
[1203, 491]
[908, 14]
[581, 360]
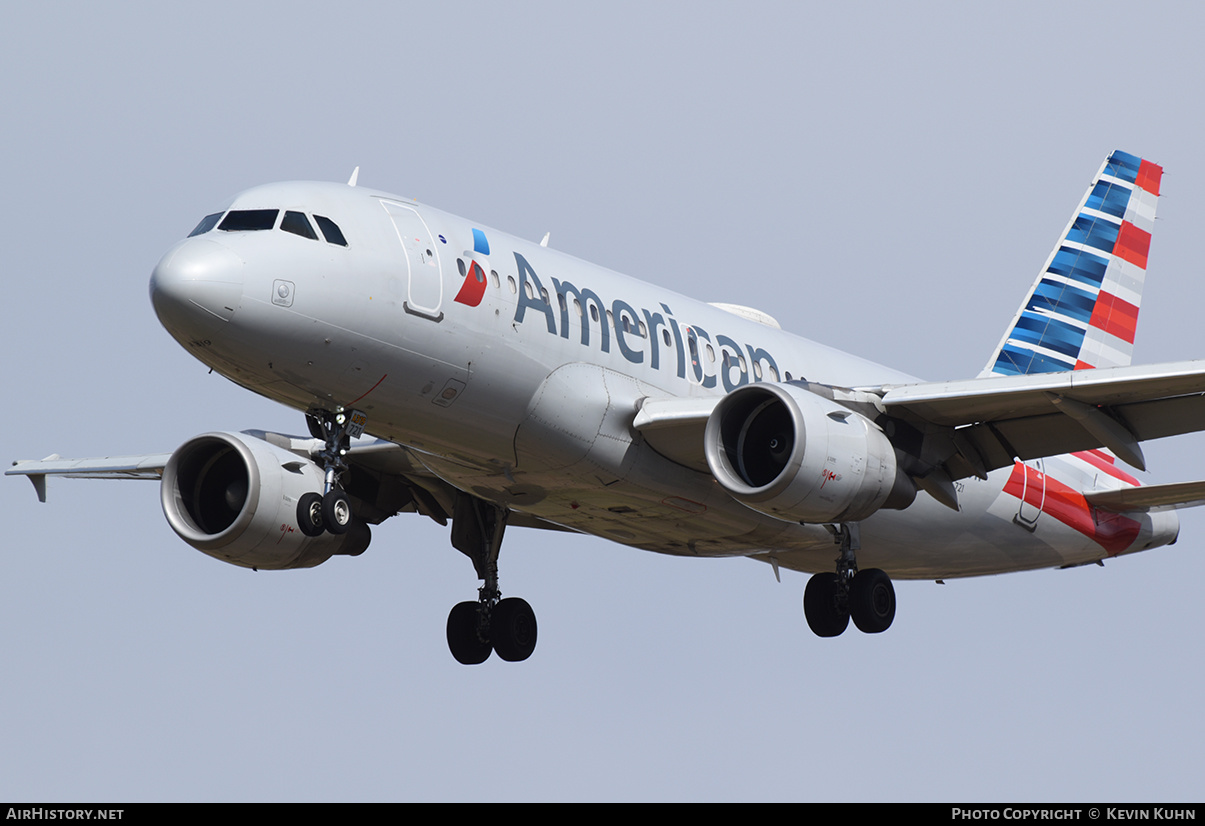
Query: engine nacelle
[234, 497]
[800, 457]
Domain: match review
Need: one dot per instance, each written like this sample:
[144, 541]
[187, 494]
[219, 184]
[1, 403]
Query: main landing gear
[505, 626]
[330, 510]
[830, 600]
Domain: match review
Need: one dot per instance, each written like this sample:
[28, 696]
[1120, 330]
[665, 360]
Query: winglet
[39, 485]
[1082, 310]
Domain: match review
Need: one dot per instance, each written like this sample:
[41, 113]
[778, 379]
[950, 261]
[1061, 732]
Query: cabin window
[460, 266]
[298, 224]
[665, 336]
[494, 275]
[514, 288]
[207, 223]
[330, 230]
[249, 220]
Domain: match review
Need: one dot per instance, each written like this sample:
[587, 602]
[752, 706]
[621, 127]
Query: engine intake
[796, 456]
[234, 497]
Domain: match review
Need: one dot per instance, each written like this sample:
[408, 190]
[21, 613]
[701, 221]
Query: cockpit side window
[248, 220]
[298, 224]
[330, 231]
[207, 223]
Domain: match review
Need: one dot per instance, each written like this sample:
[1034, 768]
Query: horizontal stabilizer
[1149, 497]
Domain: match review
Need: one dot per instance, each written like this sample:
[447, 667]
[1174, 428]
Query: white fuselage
[521, 388]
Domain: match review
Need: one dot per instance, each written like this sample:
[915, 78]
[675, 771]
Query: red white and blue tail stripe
[1083, 309]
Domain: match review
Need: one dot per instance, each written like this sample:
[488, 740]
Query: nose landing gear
[331, 510]
[830, 600]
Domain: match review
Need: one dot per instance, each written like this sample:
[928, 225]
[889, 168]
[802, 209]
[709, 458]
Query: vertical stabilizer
[1083, 309]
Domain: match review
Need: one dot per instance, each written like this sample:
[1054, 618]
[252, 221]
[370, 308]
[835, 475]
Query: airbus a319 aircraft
[509, 384]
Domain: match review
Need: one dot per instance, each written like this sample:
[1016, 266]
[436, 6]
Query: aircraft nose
[198, 283]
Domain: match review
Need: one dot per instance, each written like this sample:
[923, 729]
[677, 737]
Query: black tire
[872, 601]
[463, 642]
[513, 630]
[336, 512]
[309, 514]
[824, 606]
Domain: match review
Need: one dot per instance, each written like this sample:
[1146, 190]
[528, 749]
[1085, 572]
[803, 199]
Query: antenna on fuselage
[544, 243]
[355, 173]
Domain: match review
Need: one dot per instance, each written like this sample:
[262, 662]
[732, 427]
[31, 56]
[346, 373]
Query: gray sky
[885, 178]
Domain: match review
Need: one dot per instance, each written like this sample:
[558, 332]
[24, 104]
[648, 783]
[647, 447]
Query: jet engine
[791, 454]
[234, 497]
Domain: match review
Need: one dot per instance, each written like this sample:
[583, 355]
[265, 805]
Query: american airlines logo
[638, 333]
[473, 289]
[641, 335]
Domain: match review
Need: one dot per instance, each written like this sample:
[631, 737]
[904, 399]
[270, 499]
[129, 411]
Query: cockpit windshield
[252, 220]
[330, 231]
[298, 224]
[207, 223]
[246, 220]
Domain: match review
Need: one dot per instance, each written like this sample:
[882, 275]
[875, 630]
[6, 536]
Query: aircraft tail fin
[1082, 310]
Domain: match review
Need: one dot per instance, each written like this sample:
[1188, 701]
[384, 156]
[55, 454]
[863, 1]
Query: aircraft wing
[149, 466]
[987, 422]
[997, 418]
[400, 483]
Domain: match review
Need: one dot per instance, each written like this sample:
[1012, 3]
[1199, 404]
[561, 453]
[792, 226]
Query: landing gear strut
[505, 626]
[832, 599]
[331, 510]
